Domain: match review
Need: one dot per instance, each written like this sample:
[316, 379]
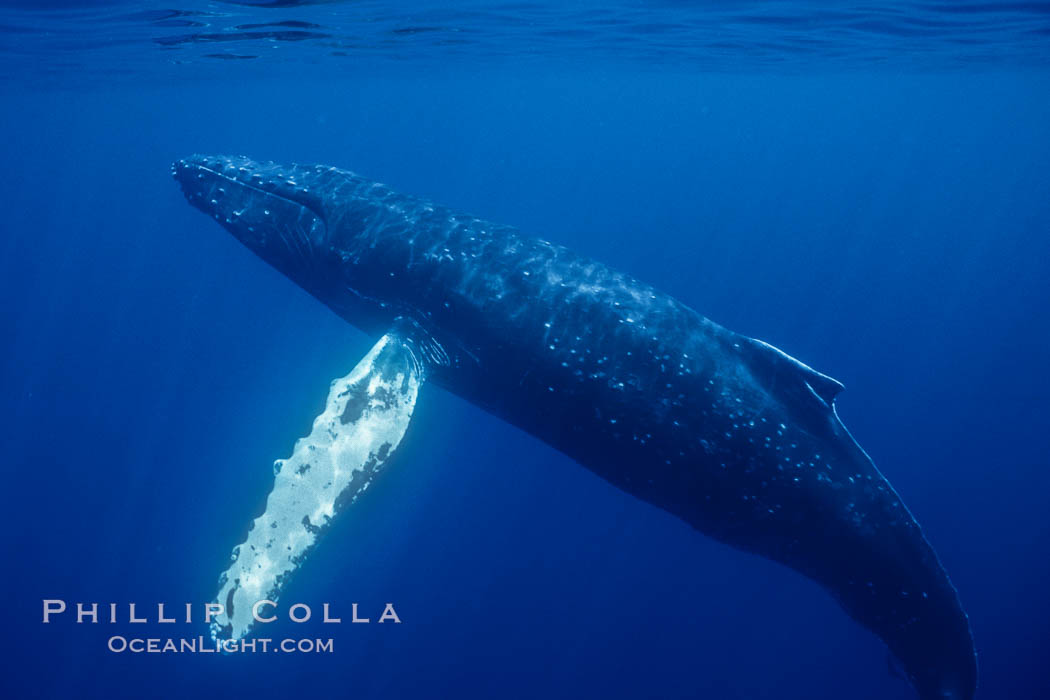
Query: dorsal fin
[822, 385]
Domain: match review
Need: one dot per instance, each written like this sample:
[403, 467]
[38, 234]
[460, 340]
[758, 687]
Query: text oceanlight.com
[202, 645]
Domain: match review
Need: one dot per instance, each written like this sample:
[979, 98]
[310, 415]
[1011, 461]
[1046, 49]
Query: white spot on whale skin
[328, 469]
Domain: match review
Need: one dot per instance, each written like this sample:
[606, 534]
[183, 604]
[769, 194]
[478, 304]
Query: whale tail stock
[860, 542]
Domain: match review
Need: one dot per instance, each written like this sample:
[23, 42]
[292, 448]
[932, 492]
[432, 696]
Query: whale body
[726, 432]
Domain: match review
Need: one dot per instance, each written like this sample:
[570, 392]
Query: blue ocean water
[867, 188]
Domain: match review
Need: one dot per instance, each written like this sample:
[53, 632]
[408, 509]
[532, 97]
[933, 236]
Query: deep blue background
[889, 228]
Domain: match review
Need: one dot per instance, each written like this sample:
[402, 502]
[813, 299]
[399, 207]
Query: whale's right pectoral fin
[365, 417]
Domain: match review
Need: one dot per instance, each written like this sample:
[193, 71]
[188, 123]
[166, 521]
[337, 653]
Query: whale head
[308, 221]
[277, 211]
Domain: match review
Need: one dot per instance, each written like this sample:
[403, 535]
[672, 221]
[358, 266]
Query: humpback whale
[728, 433]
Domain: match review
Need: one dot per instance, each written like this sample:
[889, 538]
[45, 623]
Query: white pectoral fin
[364, 419]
